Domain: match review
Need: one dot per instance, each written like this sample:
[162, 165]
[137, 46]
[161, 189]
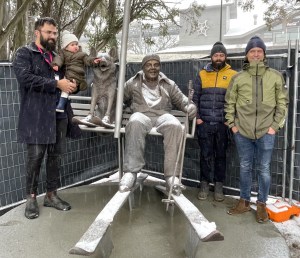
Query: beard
[218, 65]
[48, 44]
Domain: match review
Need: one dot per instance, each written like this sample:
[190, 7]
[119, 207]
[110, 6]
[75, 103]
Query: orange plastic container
[282, 211]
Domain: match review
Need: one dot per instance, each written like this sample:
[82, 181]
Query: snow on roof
[244, 22]
[206, 48]
[186, 3]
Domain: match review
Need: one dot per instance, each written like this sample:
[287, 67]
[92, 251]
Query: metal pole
[121, 82]
[123, 55]
[293, 137]
[285, 132]
[221, 19]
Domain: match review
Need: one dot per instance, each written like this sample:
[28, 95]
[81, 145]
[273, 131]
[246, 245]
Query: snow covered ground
[290, 230]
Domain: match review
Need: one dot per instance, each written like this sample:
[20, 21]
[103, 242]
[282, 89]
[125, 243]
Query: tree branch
[4, 34]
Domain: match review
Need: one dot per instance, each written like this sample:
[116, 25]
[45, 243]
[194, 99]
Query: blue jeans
[261, 149]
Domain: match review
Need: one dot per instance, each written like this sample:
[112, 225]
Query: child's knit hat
[66, 38]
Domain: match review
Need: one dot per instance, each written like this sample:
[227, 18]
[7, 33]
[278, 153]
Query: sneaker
[32, 208]
[204, 190]
[218, 195]
[52, 200]
[127, 182]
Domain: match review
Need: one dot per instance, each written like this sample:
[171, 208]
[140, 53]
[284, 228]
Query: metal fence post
[294, 118]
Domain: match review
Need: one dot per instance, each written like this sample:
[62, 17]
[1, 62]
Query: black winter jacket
[209, 94]
[38, 96]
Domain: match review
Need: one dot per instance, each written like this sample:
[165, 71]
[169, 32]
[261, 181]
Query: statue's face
[151, 70]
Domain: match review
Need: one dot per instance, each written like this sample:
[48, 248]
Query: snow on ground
[290, 230]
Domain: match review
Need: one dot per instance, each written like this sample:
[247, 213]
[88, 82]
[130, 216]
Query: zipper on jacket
[256, 94]
[215, 93]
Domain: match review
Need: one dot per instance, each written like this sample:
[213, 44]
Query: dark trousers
[213, 142]
[36, 154]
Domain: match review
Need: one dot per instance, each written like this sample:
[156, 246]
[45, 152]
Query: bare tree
[99, 20]
[278, 10]
[8, 29]
[19, 36]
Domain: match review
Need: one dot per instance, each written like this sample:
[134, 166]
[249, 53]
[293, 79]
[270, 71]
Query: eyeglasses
[48, 32]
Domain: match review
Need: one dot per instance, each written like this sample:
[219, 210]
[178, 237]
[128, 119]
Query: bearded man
[210, 88]
[40, 127]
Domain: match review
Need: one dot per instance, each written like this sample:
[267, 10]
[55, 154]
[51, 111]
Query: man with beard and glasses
[151, 96]
[40, 127]
[210, 87]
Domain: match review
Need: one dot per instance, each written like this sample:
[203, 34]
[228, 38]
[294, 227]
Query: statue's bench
[81, 107]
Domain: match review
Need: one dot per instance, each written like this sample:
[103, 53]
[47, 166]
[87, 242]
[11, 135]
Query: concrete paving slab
[148, 231]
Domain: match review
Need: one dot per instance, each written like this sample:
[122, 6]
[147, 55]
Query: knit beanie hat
[150, 57]
[67, 37]
[255, 42]
[218, 47]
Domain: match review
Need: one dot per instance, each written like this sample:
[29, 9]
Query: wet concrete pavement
[148, 231]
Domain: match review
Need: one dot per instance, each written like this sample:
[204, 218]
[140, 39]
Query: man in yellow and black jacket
[210, 88]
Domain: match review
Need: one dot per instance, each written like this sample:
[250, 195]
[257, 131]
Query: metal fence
[94, 155]
[85, 158]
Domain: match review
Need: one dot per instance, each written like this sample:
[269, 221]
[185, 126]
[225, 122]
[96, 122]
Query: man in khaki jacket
[256, 107]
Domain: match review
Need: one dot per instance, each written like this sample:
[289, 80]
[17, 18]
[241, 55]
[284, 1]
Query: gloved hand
[191, 109]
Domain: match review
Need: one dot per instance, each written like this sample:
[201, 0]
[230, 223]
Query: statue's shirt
[152, 96]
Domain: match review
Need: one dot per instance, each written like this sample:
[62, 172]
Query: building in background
[233, 27]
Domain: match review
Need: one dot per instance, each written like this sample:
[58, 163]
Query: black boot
[32, 208]
[52, 200]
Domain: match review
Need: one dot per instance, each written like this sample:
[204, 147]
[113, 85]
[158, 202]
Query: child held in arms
[73, 60]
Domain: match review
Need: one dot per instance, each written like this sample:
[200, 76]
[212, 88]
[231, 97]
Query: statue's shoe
[127, 182]
[88, 121]
[106, 122]
[176, 186]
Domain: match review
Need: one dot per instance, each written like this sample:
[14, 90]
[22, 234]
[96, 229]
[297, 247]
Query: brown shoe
[241, 207]
[261, 212]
